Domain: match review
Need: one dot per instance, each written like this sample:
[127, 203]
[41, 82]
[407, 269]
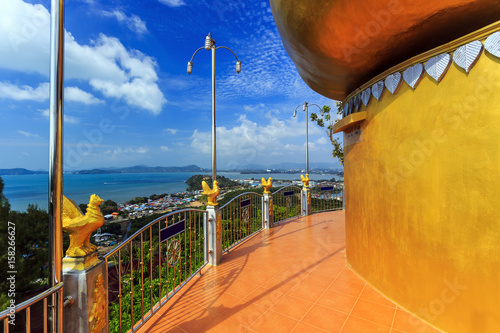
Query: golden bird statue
[305, 180]
[266, 184]
[211, 193]
[79, 226]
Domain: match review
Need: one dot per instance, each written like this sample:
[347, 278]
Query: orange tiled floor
[293, 278]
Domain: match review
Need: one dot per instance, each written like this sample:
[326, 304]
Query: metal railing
[241, 218]
[36, 308]
[152, 265]
[327, 196]
[286, 203]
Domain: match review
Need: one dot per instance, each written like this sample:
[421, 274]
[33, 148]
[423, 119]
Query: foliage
[144, 274]
[31, 248]
[111, 228]
[83, 208]
[328, 121]
[137, 200]
[108, 207]
[195, 182]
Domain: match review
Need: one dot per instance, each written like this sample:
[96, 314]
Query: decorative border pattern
[464, 56]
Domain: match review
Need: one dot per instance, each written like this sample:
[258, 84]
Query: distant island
[141, 169]
[20, 171]
[251, 169]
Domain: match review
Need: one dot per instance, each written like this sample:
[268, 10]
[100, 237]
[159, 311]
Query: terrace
[291, 278]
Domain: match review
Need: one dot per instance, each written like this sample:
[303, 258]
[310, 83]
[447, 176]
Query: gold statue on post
[305, 180]
[79, 226]
[266, 184]
[211, 193]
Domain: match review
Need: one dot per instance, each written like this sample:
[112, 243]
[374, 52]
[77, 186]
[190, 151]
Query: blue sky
[128, 98]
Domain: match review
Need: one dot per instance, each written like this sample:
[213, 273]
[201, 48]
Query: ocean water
[33, 189]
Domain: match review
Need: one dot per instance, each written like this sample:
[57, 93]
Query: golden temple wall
[423, 197]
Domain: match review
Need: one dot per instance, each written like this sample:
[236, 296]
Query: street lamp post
[213, 217]
[305, 107]
[210, 45]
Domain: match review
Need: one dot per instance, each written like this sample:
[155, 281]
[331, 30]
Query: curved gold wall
[423, 198]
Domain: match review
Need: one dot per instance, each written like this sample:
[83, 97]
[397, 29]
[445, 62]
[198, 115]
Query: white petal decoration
[492, 44]
[467, 55]
[356, 103]
[378, 89]
[349, 106]
[366, 96]
[393, 82]
[438, 66]
[413, 75]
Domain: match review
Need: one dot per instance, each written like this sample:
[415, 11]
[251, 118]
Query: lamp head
[304, 106]
[321, 110]
[208, 42]
[295, 113]
[190, 67]
[238, 66]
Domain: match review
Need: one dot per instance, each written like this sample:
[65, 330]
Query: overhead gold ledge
[349, 121]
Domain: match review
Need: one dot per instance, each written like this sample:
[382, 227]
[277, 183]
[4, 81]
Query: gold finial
[267, 184]
[211, 193]
[79, 227]
[305, 180]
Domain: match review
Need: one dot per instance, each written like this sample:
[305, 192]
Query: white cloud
[172, 131]
[322, 141]
[105, 62]
[41, 93]
[28, 134]
[75, 94]
[124, 151]
[164, 148]
[250, 108]
[133, 22]
[67, 119]
[24, 93]
[248, 140]
[172, 3]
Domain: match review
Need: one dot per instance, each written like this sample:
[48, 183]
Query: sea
[22, 190]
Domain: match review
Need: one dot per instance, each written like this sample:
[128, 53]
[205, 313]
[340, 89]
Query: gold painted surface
[97, 316]
[305, 180]
[79, 227]
[349, 121]
[211, 193]
[422, 199]
[219, 226]
[266, 184]
[338, 45]
[80, 263]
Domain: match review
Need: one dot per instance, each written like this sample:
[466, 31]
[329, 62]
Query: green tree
[4, 204]
[108, 207]
[326, 122]
[31, 230]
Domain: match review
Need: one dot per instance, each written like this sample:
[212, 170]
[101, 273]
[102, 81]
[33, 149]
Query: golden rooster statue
[79, 227]
[305, 180]
[266, 184]
[211, 193]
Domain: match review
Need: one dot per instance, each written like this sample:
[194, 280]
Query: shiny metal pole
[55, 160]
[214, 127]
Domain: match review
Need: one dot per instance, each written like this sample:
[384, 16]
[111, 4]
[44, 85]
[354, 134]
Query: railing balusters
[28, 319]
[131, 288]
[141, 265]
[45, 313]
[120, 287]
